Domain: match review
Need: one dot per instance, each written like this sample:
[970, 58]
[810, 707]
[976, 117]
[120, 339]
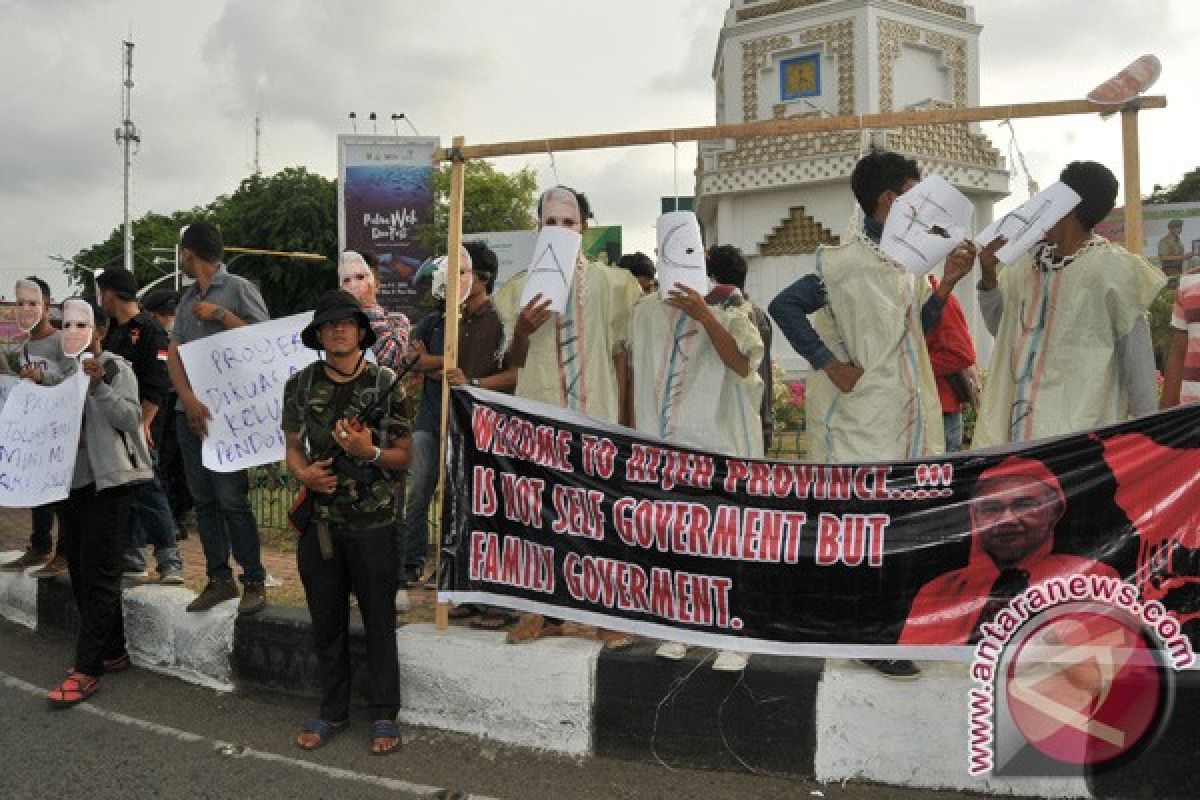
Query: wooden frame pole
[1132, 178]
[441, 616]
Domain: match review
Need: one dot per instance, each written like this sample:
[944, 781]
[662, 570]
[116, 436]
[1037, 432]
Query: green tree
[492, 201]
[1186, 191]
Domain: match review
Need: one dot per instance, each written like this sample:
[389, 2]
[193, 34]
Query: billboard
[385, 192]
[1174, 250]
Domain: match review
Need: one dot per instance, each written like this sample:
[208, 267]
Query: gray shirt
[228, 291]
[47, 353]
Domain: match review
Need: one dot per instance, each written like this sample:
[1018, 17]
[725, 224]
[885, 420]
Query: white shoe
[402, 604]
[728, 661]
[671, 650]
[271, 582]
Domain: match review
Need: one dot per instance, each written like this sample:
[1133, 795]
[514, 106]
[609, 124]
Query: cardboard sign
[39, 438]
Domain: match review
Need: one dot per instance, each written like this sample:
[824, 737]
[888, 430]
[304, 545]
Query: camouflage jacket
[366, 494]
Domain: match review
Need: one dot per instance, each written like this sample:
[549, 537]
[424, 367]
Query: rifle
[300, 516]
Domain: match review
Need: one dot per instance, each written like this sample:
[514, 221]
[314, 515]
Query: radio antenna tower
[257, 143]
[127, 136]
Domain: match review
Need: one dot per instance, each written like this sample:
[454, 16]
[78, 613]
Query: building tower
[779, 197]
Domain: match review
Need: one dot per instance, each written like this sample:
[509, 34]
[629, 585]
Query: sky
[489, 70]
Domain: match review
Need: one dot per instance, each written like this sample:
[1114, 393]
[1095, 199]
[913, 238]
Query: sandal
[466, 611]
[385, 729]
[532, 627]
[73, 691]
[324, 730]
[494, 621]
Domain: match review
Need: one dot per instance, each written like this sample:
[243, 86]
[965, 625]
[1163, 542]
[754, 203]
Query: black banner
[553, 512]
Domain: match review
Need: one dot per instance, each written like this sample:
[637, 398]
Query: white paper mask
[78, 325]
[355, 275]
[31, 305]
[552, 270]
[680, 253]
[1026, 225]
[560, 208]
[925, 224]
[465, 277]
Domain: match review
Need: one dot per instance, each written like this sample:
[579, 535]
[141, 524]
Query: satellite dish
[1127, 84]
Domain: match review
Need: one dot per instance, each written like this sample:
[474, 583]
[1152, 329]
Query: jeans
[41, 539]
[223, 514]
[422, 482]
[953, 425]
[92, 531]
[363, 562]
[150, 522]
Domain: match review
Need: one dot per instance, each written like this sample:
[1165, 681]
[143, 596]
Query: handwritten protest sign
[553, 267]
[7, 382]
[239, 375]
[39, 437]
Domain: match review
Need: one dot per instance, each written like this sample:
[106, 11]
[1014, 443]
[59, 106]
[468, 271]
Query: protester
[358, 274]
[480, 339]
[216, 302]
[1014, 507]
[579, 360]
[161, 303]
[1072, 349]
[137, 337]
[641, 267]
[701, 390]
[872, 395]
[1181, 375]
[951, 354]
[41, 357]
[347, 437]
[726, 265]
[111, 462]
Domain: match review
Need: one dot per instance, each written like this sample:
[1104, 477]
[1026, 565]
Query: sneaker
[271, 582]
[254, 598]
[614, 640]
[30, 558]
[902, 670]
[170, 576]
[215, 592]
[54, 567]
[729, 661]
[672, 651]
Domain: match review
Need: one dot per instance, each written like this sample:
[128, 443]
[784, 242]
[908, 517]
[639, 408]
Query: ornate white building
[779, 197]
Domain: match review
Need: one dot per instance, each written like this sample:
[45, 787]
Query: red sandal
[73, 691]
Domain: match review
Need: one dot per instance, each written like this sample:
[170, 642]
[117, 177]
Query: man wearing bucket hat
[347, 442]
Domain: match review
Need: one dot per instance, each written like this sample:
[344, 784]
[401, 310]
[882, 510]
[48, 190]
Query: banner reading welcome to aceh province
[552, 512]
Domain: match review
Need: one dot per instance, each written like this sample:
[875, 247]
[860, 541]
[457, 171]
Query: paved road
[145, 735]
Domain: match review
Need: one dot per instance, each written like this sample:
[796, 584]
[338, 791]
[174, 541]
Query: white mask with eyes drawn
[355, 275]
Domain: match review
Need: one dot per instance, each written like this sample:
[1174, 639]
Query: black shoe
[30, 558]
[254, 598]
[215, 592]
[902, 670]
[411, 577]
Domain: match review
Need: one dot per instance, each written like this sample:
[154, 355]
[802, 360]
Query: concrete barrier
[18, 594]
[164, 637]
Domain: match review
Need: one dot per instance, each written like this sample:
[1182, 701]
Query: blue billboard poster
[385, 193]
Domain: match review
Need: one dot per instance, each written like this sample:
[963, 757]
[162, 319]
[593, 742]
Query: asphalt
[148, 736]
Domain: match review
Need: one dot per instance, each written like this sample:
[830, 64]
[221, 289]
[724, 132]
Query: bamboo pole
[449, 354]
[1132, 178]
[781, 127]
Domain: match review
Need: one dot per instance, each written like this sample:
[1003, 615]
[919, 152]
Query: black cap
[118, 279]
[334, 305]
[161, 301]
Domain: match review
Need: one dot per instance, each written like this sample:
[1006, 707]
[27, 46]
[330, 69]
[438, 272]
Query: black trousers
[42, 538]
[364, 562]
[93, 529]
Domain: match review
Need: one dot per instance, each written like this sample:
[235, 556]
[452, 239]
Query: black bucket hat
[334, 305]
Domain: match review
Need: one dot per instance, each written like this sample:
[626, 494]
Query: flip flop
[325, 731]
[463, 612]
[73, 691]
[494, 622]
[385, 729]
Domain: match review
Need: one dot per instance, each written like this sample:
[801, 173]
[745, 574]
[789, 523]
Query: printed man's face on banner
[31, 306]
[1014, 516]
[77, 329]
[356, 277]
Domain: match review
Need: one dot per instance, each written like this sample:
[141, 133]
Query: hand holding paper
[925, 224]
[1025, 226]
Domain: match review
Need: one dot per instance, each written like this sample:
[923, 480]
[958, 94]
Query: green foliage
[1186, 191]
[492, 201]
[293, 210]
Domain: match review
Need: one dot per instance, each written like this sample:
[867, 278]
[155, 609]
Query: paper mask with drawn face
[681, 253]
[355, 276]
[560, 208]
[465, 276]
[31, 305]
[78, 326]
